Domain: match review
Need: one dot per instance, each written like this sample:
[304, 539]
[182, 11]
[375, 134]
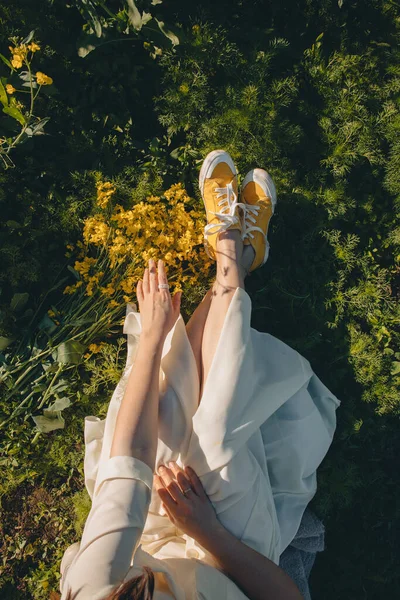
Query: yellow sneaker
[258, 201]
[219, 190]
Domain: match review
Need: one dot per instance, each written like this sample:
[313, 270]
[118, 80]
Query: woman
[240, 414]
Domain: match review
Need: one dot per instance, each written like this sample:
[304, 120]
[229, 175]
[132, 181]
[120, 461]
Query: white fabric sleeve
[112, 530]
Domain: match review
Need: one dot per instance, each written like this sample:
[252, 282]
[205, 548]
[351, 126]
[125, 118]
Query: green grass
[308, 90]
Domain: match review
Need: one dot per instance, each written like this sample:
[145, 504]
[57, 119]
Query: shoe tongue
[221, 182]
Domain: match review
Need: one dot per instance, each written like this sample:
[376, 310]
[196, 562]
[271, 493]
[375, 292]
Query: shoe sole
[208, 166]
[264, 180]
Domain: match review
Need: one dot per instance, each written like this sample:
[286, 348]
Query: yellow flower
[16, 61]
[33, 47]
[108, 290]
[19, 53]
[69, 289]
[104, 192]
[10, 89]
[95, 231]
[84, 266]
[43, 79]
[94, 348]
[51, 313]
[153, 199]
[184, 88]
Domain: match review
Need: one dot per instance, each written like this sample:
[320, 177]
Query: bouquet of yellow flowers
[116, 245]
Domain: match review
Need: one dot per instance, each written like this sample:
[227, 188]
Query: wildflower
[33, 47]
[104, 192]
[43, 79]
[19, 53]
[184, 88]
[69, 289]
[17, 61]
[10, 89]
[109, 290]
[51, 313]
[84, 266]
[94, 348]
[95, 231]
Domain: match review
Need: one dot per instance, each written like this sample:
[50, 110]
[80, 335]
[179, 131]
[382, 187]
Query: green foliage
[312, 95]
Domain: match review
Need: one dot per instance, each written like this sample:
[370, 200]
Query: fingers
[170, 484]
[162, 275]
[153, 276]
[195, 482]
[139, 291]
[165, 496]
[176, 303]
[146, 282]
[182, 479]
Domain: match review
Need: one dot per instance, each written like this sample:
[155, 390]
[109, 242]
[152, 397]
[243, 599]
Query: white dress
[263, 426]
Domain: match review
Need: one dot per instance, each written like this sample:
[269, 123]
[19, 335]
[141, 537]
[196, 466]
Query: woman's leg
[233, 262]
[195, 328]
[232, 267]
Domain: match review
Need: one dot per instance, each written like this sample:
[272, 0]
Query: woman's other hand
[191, 512]
[158, 311]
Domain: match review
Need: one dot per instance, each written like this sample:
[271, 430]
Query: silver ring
[163, 286]
[188, 490]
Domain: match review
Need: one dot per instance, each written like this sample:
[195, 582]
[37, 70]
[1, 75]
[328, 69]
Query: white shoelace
[250, 214]
[227, 215]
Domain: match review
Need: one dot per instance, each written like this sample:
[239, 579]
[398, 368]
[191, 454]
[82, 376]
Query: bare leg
[231, 273]
[195, 328]
[228, 243]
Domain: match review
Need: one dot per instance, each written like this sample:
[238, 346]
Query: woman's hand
[158, 312]
[191, 512]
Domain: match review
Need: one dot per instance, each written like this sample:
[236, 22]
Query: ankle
[230, 243]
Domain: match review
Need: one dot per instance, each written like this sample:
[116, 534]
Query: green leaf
[37, 129]
[70, 352]
[395, 368]
[3, 95]
[18, 301]
[47, 324]
[75, 273]
[15, 114]
[168, 33]
[5, 341]
[28, 37]
[134, 15]
[39, 387]
[89, 42]
[146, 17]
[59, 404]
[88, 11]
[6, 61]
[80, 322]
[13, 224]
[49, 421]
